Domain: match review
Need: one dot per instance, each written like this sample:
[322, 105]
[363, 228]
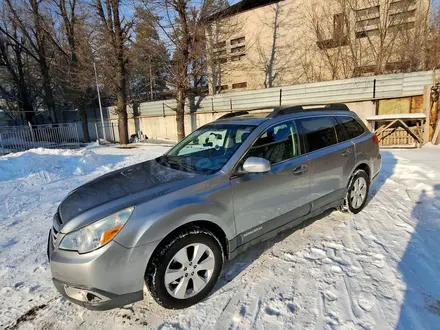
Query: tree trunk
[122, 118]
[25, 104]
[180, 113]
[82, 112]
[48, 93]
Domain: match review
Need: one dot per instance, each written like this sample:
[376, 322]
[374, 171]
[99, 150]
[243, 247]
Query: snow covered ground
[379, 269]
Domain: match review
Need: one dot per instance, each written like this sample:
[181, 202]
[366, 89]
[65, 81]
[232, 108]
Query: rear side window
[351, 126]
[318, 132]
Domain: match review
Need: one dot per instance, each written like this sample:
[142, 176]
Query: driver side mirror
[256, 165]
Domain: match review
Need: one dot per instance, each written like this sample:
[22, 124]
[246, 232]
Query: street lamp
[99, 101]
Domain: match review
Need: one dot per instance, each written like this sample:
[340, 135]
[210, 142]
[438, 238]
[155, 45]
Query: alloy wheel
[189, 271]
[358, 192]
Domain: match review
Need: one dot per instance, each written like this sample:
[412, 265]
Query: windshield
[207, 149]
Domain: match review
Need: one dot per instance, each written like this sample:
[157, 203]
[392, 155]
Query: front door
[266, 201]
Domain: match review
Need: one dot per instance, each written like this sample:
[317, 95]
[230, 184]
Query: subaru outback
[170, 223]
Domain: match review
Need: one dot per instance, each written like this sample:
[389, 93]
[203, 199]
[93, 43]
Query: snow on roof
[397, 116]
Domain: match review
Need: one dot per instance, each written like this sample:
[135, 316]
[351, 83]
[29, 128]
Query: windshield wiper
[175, 164]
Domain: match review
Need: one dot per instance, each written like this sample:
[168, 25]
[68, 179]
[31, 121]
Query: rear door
[331, 157]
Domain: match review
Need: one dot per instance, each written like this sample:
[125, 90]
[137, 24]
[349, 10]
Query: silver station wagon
[171, 222]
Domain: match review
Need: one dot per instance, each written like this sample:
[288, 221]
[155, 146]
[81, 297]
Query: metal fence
[20, 138]
[108, 132]
[354, 89]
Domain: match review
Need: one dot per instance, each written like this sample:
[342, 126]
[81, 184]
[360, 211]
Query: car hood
[121, 183]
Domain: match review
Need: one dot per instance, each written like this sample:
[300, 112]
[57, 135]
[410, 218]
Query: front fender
[147, 228]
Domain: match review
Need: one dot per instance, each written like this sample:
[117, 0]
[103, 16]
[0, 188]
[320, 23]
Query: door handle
[347, 152]
[300, 169]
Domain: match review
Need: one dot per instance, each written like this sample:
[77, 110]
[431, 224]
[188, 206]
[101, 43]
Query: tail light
[375, 139]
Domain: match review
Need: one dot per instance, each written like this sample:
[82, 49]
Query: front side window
[278, 143]
[207, 149]
[352, 126]
[318, 132]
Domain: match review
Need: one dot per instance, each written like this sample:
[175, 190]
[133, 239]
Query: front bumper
[109, 277]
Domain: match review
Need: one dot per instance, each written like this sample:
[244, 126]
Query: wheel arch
[361, 166]
[215, 229]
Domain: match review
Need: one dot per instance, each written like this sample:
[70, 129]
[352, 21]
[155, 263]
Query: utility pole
[99, 101]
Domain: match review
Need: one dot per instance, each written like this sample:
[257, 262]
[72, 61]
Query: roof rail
[234, 114]
[299, 108]
[285, 111]
[337, 107]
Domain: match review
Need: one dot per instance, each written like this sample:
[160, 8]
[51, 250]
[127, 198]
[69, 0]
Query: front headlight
[97, 234]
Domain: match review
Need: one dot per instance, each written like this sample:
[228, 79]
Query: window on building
[221, 44]
[238, 57]
[239, 85]
[238, 49]
[339, 37]
[278, 143]
[222, 60]
[403, 17]
[222, 88]
[238, 41]
[398, 66]
[332, 43]
[338, 26]
[318, 132]
[220, 52]
[367, 24]
[364, 69]
[370, 12]
[365, 34]
[402, 5]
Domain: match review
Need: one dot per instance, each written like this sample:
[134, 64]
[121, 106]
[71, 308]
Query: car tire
[357, 193]
[169, 262]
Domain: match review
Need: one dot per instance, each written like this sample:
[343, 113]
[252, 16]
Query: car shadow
[420, 266]
[236, 266]
[233, 268]
[388, 165]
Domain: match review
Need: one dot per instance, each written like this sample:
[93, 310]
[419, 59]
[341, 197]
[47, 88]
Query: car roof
[256, 117]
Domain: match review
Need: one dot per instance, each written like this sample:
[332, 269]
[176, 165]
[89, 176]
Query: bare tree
[73, 66]
[180, 21]
[433, 42]
[33, 23]
[116, 30]
[18, 80]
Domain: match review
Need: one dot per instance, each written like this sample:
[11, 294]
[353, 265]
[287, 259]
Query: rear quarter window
[351, 126]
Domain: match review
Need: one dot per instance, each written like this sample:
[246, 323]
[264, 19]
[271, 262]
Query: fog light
[84, 295]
